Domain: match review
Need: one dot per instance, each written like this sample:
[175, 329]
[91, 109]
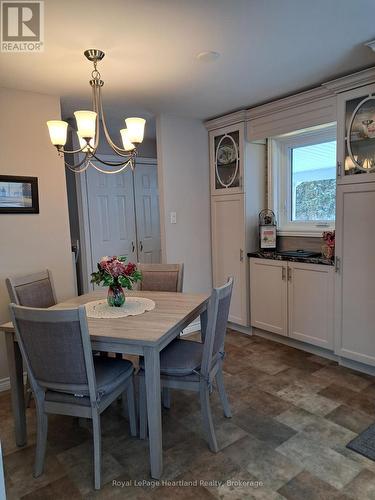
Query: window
[302, 180]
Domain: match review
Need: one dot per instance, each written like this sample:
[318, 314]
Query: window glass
[313, 182]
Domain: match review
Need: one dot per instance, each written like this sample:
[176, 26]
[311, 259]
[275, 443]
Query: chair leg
[41, 439]
[29, 393]
[208, 425]
[129, 396]
[97, 449]
[166, 397]
[223, 394]
[142, 409]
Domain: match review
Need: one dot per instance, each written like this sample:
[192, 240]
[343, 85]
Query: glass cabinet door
[360, 135]
[227, 160]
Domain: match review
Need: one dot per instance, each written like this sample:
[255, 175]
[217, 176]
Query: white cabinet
[356, 135]
[355, 279]
[228, 244]
[311, 303]
[237, 170]
[268, 291]
[227, 159]
[293, 299]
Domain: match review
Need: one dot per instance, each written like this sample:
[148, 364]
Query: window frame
[280, 179]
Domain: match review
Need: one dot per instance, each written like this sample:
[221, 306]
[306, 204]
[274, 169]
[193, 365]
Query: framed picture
[18, 195]
[267, 236]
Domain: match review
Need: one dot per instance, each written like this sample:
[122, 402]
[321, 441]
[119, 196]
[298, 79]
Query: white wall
[29, 243]
[183, 173]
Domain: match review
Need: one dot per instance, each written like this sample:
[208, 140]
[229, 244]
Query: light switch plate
[173, 217]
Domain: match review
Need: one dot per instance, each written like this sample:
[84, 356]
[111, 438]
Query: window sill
[311, 233]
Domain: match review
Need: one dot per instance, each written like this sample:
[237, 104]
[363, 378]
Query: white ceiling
[268, 48]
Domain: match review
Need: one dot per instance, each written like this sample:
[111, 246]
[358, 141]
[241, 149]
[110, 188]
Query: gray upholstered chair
[194, 366]
[32, 290]
[161, 277]
[65, 377]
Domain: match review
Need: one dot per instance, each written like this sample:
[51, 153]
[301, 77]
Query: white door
[311, 303]
[269, 295]
[228, 229]
[111, 215]
[355, 279]
[147, 213]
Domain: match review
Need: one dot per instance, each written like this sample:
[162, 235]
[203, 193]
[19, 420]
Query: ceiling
[268, 48]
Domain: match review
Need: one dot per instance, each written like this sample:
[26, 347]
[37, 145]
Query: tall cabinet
[237, 173]
[355, 234]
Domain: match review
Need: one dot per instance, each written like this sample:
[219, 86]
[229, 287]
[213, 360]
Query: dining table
[144, 335]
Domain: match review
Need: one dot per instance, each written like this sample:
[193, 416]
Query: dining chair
[65, 377]
[195, 366]
[162, 278]
[32, 290]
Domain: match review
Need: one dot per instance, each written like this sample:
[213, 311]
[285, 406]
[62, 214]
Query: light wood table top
[171, 309]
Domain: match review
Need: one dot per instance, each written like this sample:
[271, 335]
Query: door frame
[85, 255]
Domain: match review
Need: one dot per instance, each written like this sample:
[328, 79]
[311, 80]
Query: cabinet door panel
[311, 303]
[355, 283]
[268, 292]
[227, 244]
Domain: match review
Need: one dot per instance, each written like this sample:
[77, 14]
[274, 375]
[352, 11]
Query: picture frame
[267, 236]
[18, 195]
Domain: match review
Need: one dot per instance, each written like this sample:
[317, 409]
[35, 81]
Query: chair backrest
[55, 345]
[32, 290]
[162, 277]
[217, 312]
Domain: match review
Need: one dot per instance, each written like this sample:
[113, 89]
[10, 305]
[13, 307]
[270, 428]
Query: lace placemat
[132, 307]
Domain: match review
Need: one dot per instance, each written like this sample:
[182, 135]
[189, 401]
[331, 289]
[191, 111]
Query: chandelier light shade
[88, 131]
[57, 132]
[86, 123]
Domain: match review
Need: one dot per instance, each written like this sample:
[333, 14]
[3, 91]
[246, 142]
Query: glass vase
[116, 296]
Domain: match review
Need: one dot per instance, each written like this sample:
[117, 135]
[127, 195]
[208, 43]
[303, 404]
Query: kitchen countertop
[277, 256]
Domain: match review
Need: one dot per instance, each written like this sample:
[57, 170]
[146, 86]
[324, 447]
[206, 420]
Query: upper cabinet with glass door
[356, 136]
[226, 159]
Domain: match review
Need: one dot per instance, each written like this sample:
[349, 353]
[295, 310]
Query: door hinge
[337, 264]
[241, 255]
[339, 169]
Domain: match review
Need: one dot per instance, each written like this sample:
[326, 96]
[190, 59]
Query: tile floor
[293, 414]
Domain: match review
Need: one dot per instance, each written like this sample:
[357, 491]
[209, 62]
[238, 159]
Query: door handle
[289, 274]
[133, 247]
[283, 273]
[337, 264]
[141, 246]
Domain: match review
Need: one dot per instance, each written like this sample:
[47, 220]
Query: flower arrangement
[328, 249]
[115, 273]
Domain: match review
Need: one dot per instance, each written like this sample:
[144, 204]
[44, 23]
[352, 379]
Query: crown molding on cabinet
[223, 121]
[349, 82]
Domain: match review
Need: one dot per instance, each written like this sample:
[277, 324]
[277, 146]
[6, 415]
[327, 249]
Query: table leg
[152, 378]
[16, 388]
[204, 319]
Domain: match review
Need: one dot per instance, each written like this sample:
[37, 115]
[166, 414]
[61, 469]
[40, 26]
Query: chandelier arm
[95, 108]
[77, 165]
[112, 163]
[117, 149]
[103, 171]
[78, 170]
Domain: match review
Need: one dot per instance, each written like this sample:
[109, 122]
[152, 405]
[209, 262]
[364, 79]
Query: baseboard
[247, 330]
[5, 383]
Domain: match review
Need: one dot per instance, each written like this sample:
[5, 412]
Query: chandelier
[88, 131]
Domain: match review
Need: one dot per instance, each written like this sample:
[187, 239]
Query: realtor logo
[22, 26]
